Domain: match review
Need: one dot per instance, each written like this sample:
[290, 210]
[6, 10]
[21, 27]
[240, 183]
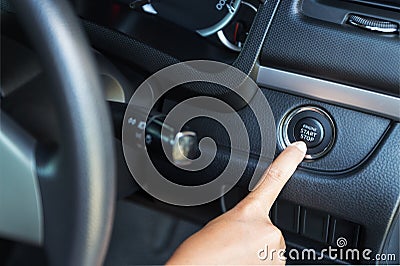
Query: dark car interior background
[335, 63]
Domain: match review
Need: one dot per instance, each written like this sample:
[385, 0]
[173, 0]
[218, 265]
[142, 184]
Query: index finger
[277, 174]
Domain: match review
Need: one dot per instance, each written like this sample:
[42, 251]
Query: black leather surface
[78, 184]
[334, 52]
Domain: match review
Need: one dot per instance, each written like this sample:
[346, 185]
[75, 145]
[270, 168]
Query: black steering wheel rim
[78, 196]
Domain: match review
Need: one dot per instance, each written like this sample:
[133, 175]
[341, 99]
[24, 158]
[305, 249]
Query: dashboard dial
[203, 17]
[235, 33]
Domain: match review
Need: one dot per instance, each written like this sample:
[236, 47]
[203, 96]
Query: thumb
[277, 174]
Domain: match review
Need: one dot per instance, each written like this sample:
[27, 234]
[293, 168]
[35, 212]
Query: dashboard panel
[298, 60]
[337, 52]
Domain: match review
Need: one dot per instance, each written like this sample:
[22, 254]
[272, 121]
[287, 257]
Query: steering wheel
[71, 188]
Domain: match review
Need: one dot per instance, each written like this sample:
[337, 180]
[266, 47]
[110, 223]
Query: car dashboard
[330, 71]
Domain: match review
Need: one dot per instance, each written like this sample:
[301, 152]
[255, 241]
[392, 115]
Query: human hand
[236, 236]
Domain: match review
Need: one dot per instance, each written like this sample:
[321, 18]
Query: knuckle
[247, 209]
[276, 234]
[283, 243]
[276, 174]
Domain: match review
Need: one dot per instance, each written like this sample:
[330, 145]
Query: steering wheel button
[309, 130]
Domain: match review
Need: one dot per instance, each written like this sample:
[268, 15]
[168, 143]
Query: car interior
[329, 69]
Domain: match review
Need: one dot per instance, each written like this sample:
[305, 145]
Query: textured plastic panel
[334, 52]
[368, 196]
[356, 133]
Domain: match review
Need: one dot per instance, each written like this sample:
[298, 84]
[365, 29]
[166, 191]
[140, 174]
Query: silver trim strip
[331, 92]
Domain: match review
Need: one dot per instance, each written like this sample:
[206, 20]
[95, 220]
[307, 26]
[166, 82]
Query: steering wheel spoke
[21, 214]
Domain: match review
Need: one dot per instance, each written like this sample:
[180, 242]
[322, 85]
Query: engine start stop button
[309, 130]
[310, 124]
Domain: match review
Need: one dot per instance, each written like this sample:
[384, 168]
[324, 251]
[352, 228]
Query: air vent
[373, 24]
[364, 14]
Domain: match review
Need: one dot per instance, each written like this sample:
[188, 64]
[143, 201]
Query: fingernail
[300, 145]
